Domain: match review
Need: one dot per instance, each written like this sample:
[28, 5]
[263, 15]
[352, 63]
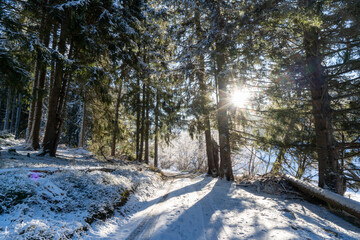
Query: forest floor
[76, 196]
[207, 208]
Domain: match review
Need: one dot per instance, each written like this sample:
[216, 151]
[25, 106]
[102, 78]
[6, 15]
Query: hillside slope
[207, 208]
[77, 196]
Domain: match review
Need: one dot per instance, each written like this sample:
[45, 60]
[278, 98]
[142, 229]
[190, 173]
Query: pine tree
[116, 119]
[308, 53]
[39, 81]
[218, 23]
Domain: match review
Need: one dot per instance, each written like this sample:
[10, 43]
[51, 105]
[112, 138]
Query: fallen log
[335, 200]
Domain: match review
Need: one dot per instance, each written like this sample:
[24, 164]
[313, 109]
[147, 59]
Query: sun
[240, 97]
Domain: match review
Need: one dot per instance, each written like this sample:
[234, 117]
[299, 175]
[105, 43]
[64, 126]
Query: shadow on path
[216, 209]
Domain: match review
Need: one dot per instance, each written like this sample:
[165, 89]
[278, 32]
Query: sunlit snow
[53, 198]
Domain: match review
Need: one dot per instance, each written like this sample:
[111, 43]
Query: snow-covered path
[207, 208]
[51, 198]
[186, 212]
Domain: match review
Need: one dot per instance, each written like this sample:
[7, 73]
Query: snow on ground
[70, 196]
[207, 208]
[66, 157]
[58, 198]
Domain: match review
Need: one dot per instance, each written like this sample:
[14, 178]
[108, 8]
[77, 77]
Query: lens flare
[240, 97]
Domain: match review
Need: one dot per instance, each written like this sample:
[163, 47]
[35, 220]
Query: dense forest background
[276, 79]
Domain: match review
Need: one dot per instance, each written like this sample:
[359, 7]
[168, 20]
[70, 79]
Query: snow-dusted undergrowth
[55, 200]
[69, 196]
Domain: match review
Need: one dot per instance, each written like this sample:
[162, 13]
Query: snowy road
[207, 208]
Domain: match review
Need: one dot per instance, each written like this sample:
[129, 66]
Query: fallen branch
[50, 172]
[335, 200]
[100, 169]
[101, 149]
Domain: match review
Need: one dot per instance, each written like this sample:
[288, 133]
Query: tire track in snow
[149, 221]
[199, 208]
[205, 209]
[209, 209]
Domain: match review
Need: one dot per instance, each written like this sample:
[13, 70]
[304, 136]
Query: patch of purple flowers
[34, 176]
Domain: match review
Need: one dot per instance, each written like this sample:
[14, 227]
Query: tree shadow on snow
[219, 215]
[298, 211]
[206, 218]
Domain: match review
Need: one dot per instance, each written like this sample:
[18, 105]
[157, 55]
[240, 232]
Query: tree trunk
[147, 126]
[18, 116]
[142, 122]
[116, 124]
[8, 110]
[56, 100]
[215, 149]
[156, 128]
[63, 102]
[138, 111]
[222, 112]
[279, 161]
[83, 125]
[38, 66]
[53, 62]
[330, 174]
[251, 162]
[223, 119]
[40, 92]
[212, 168]
[32, 103]
[0, 109]
[13, 112]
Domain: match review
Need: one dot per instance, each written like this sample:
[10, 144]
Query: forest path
[208, 208]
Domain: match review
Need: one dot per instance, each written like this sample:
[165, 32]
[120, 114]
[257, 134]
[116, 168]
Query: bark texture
[222, 114]
[138, 116]
[18, 116]
[34, 139]
[13, 112]
[57, 99]
[330, 173]
[350, 206]
[142, 124]
[156, 144]
[32, 103]
[83, 125]
[147, 126]
[212, 167]
[116, 124]
[8, 110]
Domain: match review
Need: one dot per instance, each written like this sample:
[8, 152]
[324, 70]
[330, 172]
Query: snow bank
[58, 198]
[53, 206]
[346, 204]
[211, 208]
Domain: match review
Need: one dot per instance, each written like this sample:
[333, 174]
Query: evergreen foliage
[121, 77]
